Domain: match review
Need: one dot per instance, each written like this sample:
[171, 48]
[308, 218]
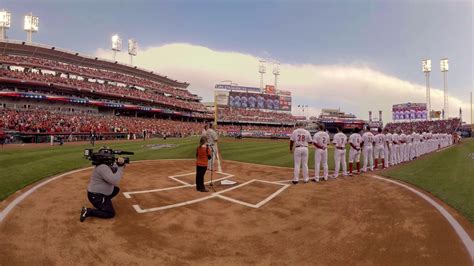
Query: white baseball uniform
[403, 147]
[367, 150]
[379, 150]
[354, 154]
[395, 155]
[388, 148]
[321, 139]
[301, 138]
[340, 141]
[211, 141]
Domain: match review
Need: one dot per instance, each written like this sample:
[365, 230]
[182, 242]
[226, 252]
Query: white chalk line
[463, 235]
[184, 185]
[23, 196]
[218, 194]
[469, 244]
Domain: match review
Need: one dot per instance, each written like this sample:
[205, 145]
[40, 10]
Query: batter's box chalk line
[218, 194]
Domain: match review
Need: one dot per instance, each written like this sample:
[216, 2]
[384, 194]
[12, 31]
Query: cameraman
[102, 188]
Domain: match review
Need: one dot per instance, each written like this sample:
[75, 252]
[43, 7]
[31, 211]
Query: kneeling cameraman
[102, 188]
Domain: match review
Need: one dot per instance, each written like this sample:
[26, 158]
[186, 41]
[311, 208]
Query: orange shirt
[202, 154]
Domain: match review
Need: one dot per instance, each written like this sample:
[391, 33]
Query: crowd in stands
[98, 98]
[229, 114]
[106, 89]
[41, 121]
[434, 126]
[96, 73]
[45, 121]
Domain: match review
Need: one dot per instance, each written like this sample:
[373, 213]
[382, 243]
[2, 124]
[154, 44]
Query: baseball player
[320, 141]
[260, 102]
[379, 149]
[368, 150]
[355, 141]
[212, 139]
[403, 146]
[396, 148]
[299, 140]
[244, 101]
[252, 101]
[340, 141]
[388, 147]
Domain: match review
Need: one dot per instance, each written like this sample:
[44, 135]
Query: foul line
[463, 235]
[23, 196]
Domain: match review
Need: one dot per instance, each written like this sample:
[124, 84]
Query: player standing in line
[340, 141]
[368, 150]
[388, 148]
[320, 141]
[355, 141]
[379, 150]
[409, 151]
[416, 144]
[395, 148]
[300, 138]
[403, 146]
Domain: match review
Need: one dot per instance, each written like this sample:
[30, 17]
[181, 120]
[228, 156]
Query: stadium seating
[434, 126]
[228, 114]
[95, 73]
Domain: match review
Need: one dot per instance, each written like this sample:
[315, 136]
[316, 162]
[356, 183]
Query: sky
[354, 55]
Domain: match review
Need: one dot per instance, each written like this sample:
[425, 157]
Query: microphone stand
[212, 166]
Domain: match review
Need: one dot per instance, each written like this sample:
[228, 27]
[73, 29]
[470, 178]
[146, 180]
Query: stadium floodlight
[444, 66]
[116, 44]
[262, 69]
[426, 64]
[276, 73]
[5, 22]
[31, 26]
[132, 49]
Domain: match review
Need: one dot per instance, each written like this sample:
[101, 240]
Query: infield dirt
[353, 220]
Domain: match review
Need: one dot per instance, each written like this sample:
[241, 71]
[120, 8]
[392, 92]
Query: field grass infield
[448, 174]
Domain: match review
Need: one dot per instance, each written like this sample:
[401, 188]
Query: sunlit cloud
[355, 88]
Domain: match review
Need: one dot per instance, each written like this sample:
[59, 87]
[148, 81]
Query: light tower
[116, 44]
[31, 26]
[5, 21]
[443, 64]
[261, 69]
[427, 69]
[132, 49]
[276, 72]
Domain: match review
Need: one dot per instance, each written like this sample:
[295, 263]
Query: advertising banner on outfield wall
[409, 111]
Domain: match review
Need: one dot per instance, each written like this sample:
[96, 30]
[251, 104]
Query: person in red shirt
[203, 154]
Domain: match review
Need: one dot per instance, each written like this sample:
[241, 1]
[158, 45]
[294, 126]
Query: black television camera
[105, 155]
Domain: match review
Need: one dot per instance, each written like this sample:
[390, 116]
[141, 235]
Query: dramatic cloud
[353, 88]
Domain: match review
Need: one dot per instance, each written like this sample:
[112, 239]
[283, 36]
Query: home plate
[228, 182]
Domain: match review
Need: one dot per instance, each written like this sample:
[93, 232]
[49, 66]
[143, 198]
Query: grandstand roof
[11, 47]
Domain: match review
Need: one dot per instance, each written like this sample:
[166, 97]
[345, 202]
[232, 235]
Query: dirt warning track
[259, 220]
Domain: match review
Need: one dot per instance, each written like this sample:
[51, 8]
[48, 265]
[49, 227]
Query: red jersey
[202, 155]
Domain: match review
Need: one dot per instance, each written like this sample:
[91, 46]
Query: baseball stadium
[138, 157]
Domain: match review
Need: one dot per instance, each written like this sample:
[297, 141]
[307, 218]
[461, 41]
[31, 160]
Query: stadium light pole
[261, 69]
[5, 22]
[426, 63]
[30, 26]
[276, 73]
[443, 64]
[116, 45]
[132, 49]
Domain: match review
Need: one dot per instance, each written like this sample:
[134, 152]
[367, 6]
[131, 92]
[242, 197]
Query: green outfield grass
[23, 166]
[449, 175]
